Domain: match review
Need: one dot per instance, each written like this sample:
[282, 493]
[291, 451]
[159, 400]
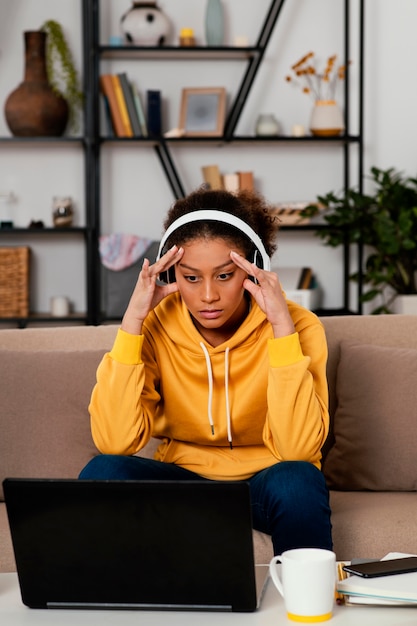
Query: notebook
[393, 590]
[134, 544]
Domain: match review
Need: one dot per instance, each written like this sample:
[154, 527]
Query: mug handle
[274, 574]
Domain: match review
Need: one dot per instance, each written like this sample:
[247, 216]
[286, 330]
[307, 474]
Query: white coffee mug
[307, 583]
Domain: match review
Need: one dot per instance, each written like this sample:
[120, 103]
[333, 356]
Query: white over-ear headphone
[217, 216]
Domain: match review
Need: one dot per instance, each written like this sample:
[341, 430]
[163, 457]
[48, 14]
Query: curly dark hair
[247, 205]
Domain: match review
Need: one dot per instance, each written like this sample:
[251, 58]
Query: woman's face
[211, 286]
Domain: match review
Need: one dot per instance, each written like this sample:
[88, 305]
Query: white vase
[326, 119]
[405, 305]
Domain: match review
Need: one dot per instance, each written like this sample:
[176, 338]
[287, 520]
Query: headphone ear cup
[256, 260]
[167, 277]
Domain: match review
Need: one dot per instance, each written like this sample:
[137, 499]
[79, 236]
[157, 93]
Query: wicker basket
[14, 282]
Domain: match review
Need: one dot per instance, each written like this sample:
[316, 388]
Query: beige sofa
[46, 376]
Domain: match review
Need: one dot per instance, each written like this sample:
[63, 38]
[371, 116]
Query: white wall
[135, 193]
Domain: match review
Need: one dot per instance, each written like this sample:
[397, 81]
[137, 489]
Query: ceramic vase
[214, 23]
[267, 125]
[33, 109]
[144, 24]
[326, 119]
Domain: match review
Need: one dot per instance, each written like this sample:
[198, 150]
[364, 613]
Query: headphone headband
[217, 216]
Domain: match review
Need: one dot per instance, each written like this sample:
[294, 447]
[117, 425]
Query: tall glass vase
[214, 23]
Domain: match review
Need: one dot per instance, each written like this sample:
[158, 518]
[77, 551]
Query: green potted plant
[385, 223]
[62, 74]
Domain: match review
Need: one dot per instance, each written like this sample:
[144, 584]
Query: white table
[271, 613]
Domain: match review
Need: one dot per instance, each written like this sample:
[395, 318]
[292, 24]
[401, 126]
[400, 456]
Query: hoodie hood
[175, 319]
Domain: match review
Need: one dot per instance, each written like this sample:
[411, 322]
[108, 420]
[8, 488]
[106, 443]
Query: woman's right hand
[148, 293]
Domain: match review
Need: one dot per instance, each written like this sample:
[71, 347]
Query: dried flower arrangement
[321, 85]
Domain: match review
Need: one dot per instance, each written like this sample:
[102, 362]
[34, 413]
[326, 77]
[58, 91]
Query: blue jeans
[290, 500]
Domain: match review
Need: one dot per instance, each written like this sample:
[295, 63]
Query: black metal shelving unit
[253, 57]
[92, 141]
[89, 232]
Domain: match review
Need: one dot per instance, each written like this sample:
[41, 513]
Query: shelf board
[46, 140]
[49, 230]
[334, 312]
[22, 322]
[298, 227]
[291, 139]
[169, 53]
[237, 139]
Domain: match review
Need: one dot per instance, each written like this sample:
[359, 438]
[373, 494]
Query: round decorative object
[214, 23]
[145, 24]
[326, 119]
[267, 125]
[33, 109]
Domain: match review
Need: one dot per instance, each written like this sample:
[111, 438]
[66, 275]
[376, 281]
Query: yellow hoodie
[225, 412]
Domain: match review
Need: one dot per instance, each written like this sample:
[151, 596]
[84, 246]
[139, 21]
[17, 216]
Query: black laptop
[134, 544]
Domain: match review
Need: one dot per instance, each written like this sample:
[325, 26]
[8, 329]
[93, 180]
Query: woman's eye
[191, 279]
[225, 276]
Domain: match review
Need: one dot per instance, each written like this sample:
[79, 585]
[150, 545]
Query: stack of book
[291, 212]
[299, 285]
[397, 590]
[125, 115]
[235, 182]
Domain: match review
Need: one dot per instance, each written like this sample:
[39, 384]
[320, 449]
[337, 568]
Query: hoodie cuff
[285, 350]
[127, 348]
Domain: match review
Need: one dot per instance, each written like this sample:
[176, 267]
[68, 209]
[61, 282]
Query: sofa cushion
[375, 422]
[36, 386]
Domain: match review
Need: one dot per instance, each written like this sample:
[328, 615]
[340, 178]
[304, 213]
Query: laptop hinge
[138, 606]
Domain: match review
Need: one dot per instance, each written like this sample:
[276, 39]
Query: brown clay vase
[33, 109]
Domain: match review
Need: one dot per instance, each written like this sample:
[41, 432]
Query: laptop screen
[133, 544]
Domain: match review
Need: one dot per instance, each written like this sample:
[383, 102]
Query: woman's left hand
[268, 294]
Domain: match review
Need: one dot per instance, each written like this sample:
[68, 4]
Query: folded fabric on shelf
[119, 251]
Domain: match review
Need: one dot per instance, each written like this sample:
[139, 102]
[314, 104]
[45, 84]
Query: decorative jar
[62, 212]
[267, 125]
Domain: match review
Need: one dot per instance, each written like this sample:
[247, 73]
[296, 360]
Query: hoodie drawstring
[226, 390]
[210, 392]
[210, 385]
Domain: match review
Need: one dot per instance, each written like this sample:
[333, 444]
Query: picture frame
[203, 111]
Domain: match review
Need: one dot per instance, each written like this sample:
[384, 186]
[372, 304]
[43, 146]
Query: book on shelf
[292, 278]
[394, 590]
[290, 212]
[139, 110]
[246, 180]
[212, 176]
[130, 104]
[231, 182]
[154, 112]
[109, 94]
[128, 132]
[107, 116]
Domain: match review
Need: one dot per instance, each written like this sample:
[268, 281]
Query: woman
[218, 365]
